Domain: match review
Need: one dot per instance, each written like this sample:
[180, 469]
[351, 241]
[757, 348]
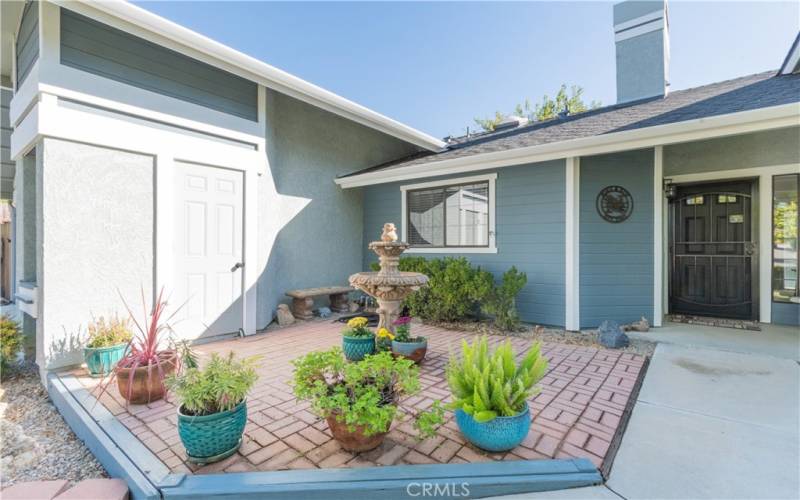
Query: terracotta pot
[146, 387]
[354, 441]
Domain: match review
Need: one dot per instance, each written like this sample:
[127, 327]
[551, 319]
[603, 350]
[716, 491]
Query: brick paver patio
[577, 413]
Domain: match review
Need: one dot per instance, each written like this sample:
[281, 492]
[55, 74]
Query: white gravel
[35, 442]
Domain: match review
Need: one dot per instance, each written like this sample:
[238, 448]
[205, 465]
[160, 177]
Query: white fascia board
[792, 58]
[785, 115]
[258, 71]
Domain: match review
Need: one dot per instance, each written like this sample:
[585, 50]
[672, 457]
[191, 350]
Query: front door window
[784, 238]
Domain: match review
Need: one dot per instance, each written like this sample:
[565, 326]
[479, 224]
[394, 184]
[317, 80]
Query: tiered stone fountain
[389, 286]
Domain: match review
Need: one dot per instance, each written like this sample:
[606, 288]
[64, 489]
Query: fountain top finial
[389, 232]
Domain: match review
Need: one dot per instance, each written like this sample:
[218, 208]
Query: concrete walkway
[710, 423]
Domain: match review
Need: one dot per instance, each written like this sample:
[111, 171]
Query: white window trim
[492, 248]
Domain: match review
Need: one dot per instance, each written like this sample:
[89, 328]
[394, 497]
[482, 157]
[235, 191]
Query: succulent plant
[488, 385]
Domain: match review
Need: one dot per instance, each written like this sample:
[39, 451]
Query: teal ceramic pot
[210, 438]
[355, 348]
[101, 360]
[500, 434]
[415, 351]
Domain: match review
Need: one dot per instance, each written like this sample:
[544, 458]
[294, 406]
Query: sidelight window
[784, 238]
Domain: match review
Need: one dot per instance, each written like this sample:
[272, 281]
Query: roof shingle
[741, 94]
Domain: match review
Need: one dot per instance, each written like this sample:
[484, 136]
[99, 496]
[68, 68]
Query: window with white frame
[455, 214]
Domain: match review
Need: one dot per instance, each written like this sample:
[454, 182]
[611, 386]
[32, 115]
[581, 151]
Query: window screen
[449, 216]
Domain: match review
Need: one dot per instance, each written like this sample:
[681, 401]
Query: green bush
[10, 342]
[487, 385]
[221, 385]
[455, 288]
[365, 393]
[456, 291]
[502, 300]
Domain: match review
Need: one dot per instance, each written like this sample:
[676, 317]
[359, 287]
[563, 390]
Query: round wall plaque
[614, 204]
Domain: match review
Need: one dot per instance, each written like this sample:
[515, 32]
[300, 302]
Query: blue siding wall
[616, 260]
[529, 226]
[100, 49]
[27, 41]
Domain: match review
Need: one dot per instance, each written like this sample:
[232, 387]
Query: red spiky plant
[151, 345]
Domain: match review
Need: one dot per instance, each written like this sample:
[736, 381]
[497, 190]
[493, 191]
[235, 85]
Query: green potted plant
[360, 400]
[403, 344]
[213, 410]
[491, 392]
[151, 356]
[357, 339]
[108, 340]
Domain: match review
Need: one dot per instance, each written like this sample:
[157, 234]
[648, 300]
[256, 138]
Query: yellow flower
[384, 333]
[357, 322]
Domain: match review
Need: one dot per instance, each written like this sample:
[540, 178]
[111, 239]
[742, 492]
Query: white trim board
[658, 234]
[572, 281]
[764, 175]
[492, 248]
[786, 115]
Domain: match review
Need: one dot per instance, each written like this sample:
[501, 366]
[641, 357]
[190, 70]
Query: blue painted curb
[111, 450]
[125, 457]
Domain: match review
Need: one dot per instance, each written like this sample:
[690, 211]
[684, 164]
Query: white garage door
[208, 250]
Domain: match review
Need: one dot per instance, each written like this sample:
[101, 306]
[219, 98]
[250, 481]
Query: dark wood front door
[713, 258]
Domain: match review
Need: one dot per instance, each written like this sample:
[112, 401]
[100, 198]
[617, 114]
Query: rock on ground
[35, 442]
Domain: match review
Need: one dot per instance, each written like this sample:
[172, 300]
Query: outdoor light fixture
[670, 189]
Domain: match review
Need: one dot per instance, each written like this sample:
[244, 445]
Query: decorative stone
[284, 315]
[324, 312]
[611, 335]
[389, 233]
[641, 326]
[339, 302]
[354, 307]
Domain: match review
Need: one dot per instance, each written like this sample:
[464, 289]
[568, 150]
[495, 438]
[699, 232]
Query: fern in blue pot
[491, 393]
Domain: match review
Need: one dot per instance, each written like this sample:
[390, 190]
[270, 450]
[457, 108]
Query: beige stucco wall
[95, 239]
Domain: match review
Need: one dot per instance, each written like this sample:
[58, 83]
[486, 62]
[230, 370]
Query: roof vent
[511, 122]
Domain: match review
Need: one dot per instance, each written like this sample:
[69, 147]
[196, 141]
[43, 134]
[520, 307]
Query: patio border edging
[102, 444]
[124, 456]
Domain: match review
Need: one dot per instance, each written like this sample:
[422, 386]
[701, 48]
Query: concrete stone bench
[303, 299]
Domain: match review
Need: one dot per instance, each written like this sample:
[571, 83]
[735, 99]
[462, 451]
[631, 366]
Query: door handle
[751, 248]
[237, 266]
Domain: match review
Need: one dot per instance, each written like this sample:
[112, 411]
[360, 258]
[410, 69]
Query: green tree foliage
[546, 109]
[490, 384]
[784, 222]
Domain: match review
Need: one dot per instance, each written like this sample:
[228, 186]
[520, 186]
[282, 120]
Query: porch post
[572, 249]
[658, 235]
[764, 248]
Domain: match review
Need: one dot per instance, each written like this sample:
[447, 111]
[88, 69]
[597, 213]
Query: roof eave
[785, 115]
[263, 73]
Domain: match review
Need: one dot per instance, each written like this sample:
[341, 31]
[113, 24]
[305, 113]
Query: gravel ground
[36, 442]
[556, 335]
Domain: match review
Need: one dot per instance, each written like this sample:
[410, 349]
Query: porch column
[764, 248]
[658, 236]
[572, 321]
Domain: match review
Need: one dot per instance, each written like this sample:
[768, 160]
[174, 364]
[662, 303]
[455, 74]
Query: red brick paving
[576, 414]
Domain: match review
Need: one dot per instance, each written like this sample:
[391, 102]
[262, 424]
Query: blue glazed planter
[101, 360]
[415, 351]
[355, 348]
[500, 434]
[210, 438]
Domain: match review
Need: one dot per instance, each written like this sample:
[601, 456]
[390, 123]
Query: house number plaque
[614, 204]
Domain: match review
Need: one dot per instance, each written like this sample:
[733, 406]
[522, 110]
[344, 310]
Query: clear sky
[435, 66]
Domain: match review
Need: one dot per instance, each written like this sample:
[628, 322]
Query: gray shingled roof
[741, 94]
